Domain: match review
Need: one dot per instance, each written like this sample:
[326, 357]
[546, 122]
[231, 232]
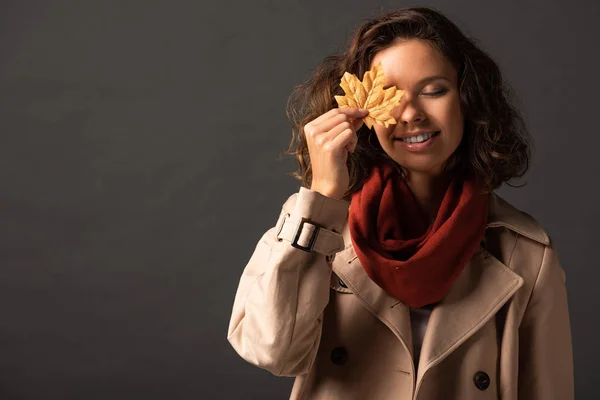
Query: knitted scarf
[411, 259]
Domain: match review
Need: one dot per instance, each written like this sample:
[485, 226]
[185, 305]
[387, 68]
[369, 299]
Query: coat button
[481, 380]
[339, 356]
[342, 284]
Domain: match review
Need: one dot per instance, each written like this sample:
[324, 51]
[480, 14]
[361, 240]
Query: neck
[428, 190]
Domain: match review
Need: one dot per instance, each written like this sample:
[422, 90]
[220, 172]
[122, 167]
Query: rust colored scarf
[412, 260]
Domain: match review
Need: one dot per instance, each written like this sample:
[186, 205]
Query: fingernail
[363, 110]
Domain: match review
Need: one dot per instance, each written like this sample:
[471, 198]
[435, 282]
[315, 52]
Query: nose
[409, 112]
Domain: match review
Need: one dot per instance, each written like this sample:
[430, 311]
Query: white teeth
[418, 138]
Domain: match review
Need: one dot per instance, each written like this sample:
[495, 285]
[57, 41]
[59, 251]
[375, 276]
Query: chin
[422, 167]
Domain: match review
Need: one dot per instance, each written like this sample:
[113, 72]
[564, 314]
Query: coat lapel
[482, 288]
[393, 313]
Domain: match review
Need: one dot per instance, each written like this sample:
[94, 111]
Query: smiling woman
[421, 48]
[396, 271]
[430, 109]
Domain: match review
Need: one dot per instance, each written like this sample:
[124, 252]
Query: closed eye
[436, 93]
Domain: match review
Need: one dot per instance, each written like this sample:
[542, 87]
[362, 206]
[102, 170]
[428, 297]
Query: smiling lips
[418, 137]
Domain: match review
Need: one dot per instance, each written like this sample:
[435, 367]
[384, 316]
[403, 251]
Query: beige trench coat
[502, 331]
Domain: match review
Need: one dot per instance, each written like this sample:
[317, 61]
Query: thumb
[356, 123]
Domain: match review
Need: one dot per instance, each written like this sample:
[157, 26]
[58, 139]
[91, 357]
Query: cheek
[453, 120]
[458, 123]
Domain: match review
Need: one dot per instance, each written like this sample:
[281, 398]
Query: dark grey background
[138, 169]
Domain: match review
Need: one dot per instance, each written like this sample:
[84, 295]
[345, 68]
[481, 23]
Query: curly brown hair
[496, 144]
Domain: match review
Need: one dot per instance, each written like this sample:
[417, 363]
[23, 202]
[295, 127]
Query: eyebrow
[427, 79]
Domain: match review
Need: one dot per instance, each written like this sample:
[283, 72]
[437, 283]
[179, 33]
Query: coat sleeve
[278, 307]
[545, 348]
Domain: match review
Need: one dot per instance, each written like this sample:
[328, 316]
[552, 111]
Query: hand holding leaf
[369, 94]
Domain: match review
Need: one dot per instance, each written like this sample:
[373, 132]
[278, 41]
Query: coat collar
[482, 288]
[502, 213]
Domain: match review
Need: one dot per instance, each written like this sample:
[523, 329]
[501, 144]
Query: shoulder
[503, 214]
[520, 242]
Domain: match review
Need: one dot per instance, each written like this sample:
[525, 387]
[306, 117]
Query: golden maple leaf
[369, 94]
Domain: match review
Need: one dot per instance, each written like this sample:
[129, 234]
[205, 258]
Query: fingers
[329, 138]
[342, 136]
[335, 120]
[353, 116]
[337, 127]
[353, 112]
[348, 111]
[357, 123]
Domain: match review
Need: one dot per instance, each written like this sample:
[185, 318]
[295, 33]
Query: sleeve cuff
[326, 211]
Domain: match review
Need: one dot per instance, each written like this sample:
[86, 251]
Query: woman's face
[431, 103]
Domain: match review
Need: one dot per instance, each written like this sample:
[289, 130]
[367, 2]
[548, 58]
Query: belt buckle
[313, 238]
